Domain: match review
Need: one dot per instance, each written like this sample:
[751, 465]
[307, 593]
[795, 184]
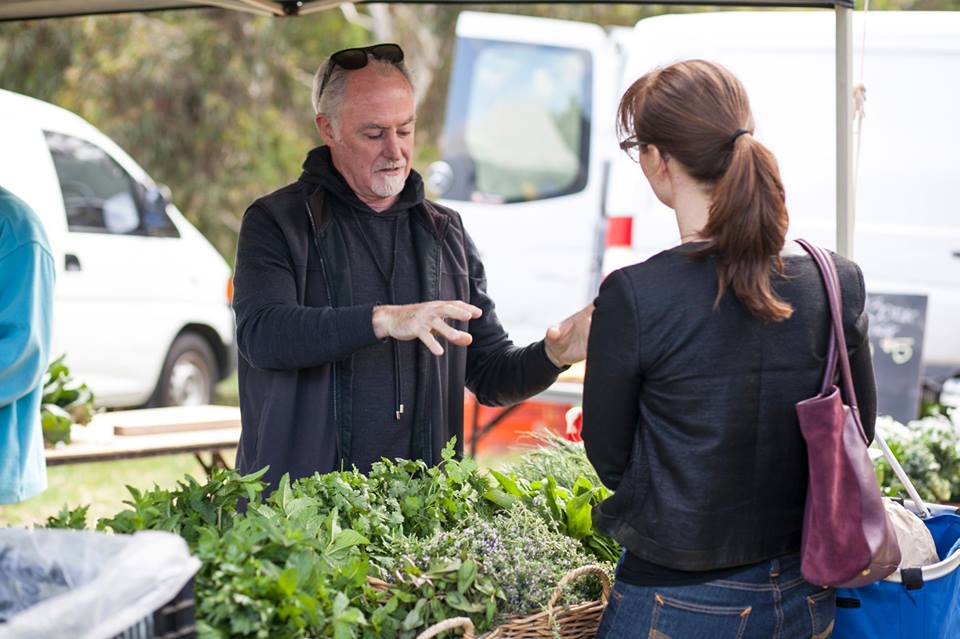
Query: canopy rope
[860, 99]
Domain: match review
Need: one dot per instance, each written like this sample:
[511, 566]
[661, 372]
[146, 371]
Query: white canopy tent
[37, 9]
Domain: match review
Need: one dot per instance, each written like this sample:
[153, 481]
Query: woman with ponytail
[696, 359]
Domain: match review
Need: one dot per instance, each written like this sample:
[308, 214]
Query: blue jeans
[769, 601]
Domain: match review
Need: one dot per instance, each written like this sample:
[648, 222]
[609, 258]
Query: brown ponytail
[695, 111]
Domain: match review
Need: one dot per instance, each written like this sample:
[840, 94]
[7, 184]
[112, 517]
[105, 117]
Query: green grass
[101, 485]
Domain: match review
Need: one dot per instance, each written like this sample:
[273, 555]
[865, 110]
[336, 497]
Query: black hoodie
[300, 329]
[383, 270]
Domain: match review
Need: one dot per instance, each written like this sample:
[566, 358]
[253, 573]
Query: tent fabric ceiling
[34, 9]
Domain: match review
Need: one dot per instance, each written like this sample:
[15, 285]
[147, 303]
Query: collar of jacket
[319, 174]
[425, 214]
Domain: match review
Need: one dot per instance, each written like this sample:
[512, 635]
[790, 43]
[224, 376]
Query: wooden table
[152, 432]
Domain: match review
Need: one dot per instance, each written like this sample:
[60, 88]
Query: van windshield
[518, 121]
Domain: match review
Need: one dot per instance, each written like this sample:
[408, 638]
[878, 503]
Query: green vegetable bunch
[401, 497]
[288, 576]
[190, 508]
[69, 518]
[65, 402]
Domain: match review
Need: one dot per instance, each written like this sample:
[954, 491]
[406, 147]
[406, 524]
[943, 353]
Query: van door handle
[956, 254]
[71, 262]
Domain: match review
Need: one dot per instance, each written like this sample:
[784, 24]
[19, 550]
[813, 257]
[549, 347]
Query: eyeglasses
[357, 58]
[632, 147]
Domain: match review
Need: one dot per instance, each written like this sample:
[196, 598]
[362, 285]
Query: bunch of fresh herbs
[401, 497]
[516, 550]
[557, 457]
[190, 507]
[274, 576]
[557, 482]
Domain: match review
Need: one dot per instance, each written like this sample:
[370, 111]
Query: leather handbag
[847, 539]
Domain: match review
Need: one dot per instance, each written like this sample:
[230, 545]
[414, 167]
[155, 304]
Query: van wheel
[189, 373]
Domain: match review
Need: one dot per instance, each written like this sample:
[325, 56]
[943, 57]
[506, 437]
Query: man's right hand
[423, 321]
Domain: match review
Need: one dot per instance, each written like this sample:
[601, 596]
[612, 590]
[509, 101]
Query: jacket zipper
[441, 235]
[330, 293]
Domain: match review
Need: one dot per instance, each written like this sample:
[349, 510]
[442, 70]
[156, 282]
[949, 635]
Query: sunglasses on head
[357, 58]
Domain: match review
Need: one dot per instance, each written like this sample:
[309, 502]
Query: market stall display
[390, 553]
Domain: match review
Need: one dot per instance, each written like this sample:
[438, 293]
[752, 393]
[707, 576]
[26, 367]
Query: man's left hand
[566, 342]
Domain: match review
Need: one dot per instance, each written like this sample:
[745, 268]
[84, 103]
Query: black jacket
[689, 411]
[297, 328]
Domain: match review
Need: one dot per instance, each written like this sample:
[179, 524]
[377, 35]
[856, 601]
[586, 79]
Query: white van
[142, 298]
[530, 156]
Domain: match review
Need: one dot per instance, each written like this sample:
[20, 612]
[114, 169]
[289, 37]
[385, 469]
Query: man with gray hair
[361, 306]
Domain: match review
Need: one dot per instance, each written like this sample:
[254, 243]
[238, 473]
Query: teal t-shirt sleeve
[26, 307]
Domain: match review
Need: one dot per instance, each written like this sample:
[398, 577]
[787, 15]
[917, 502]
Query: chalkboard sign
[896, 340]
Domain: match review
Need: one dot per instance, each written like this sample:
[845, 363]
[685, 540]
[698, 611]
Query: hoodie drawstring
[389, 281]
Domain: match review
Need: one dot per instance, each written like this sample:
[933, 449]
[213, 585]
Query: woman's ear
[658, 158]
[654, 163]
[656, 167]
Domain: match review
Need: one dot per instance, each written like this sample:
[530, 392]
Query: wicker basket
[579, 621]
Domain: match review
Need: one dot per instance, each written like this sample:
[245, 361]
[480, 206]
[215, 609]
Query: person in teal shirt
[26, 315]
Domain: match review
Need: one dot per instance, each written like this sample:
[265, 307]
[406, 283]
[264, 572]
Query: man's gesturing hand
[566, 342]
[423, 321]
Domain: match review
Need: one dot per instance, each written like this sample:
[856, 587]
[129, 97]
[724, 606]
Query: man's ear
[325, 127]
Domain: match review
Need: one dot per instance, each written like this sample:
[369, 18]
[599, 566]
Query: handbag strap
[831, 281]
[837, 352]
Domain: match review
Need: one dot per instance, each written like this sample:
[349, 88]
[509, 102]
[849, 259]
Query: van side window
[518, 121]
[99, 196]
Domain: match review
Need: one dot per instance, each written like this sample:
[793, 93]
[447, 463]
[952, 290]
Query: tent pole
[845, 186]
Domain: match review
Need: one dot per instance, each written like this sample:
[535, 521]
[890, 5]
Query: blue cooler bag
[913, 603]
